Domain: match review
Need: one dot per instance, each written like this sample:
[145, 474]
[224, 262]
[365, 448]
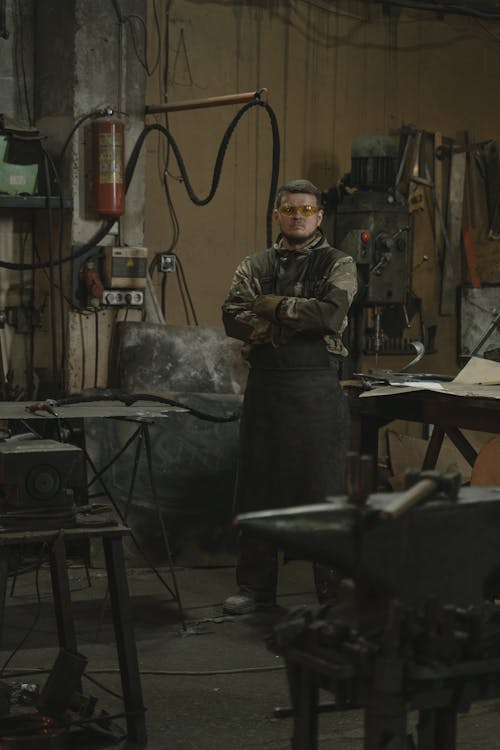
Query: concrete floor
[212, 686]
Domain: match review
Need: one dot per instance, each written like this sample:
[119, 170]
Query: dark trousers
[257, 566]
[293, 440]
[257, 571]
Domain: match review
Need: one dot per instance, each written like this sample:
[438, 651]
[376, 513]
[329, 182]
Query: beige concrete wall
[335, 71]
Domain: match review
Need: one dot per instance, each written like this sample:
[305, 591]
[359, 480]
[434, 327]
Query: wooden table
[448, 413]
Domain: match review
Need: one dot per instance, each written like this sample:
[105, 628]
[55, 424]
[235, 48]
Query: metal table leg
[4, 572]
[437, 729]
[62, 595]
[303, 683]
[125, 639]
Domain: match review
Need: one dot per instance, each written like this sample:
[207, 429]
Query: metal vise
[418, 635]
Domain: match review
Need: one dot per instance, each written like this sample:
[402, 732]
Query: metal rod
[170, 559]
[212, 101]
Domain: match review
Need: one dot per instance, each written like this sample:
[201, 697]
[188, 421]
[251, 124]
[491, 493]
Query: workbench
[111, 537]
[449, 414]
[171, 416]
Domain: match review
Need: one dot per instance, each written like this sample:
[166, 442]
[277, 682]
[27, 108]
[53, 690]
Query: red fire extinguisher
[108, 149]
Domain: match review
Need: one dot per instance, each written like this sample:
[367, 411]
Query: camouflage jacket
[317, 284]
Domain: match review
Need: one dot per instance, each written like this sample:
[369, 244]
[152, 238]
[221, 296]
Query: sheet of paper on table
[479, 377]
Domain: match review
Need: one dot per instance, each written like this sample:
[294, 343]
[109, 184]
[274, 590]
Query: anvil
[442, 547]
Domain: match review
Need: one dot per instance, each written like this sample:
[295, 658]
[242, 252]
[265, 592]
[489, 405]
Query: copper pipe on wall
[213, 101]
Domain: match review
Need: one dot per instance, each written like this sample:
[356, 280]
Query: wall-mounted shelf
[34, 201]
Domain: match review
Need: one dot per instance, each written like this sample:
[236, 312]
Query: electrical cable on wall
[181, 282]
[186, 288]
[129, 172]
[462, 9]
[19, 61]
[96, 348]
[50, 172]
[33, 625]
[31, 355]
[78, 124]
[50, 238]
[128, 19]
[203, 201]
[183, 299]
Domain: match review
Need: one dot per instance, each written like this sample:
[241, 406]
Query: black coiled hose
[129, 172]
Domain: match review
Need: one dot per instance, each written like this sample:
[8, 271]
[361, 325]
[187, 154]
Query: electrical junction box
[167, 263]
[125, 267]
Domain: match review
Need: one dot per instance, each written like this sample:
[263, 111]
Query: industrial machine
[37, 482]
[372, 224]
[417, 630]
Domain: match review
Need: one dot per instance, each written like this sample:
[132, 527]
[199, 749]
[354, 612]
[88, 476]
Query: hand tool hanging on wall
[470, 255]
[492, 178]
[452, 252]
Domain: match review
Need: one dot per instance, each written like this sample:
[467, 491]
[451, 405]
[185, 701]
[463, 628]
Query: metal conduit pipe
[212, 101]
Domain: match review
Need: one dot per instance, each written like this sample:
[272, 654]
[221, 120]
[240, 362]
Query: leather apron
[295, 427]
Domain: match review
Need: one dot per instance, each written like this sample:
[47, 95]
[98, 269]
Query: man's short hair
[298, 186]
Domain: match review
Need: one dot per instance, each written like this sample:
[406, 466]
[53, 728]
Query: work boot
[247, 601]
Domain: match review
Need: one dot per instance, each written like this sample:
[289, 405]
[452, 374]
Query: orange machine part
[108, 147]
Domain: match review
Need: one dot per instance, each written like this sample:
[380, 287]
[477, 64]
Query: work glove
[267, 306]
[280, 335]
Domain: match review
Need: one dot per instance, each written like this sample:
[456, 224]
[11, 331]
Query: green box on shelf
[16, 179]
